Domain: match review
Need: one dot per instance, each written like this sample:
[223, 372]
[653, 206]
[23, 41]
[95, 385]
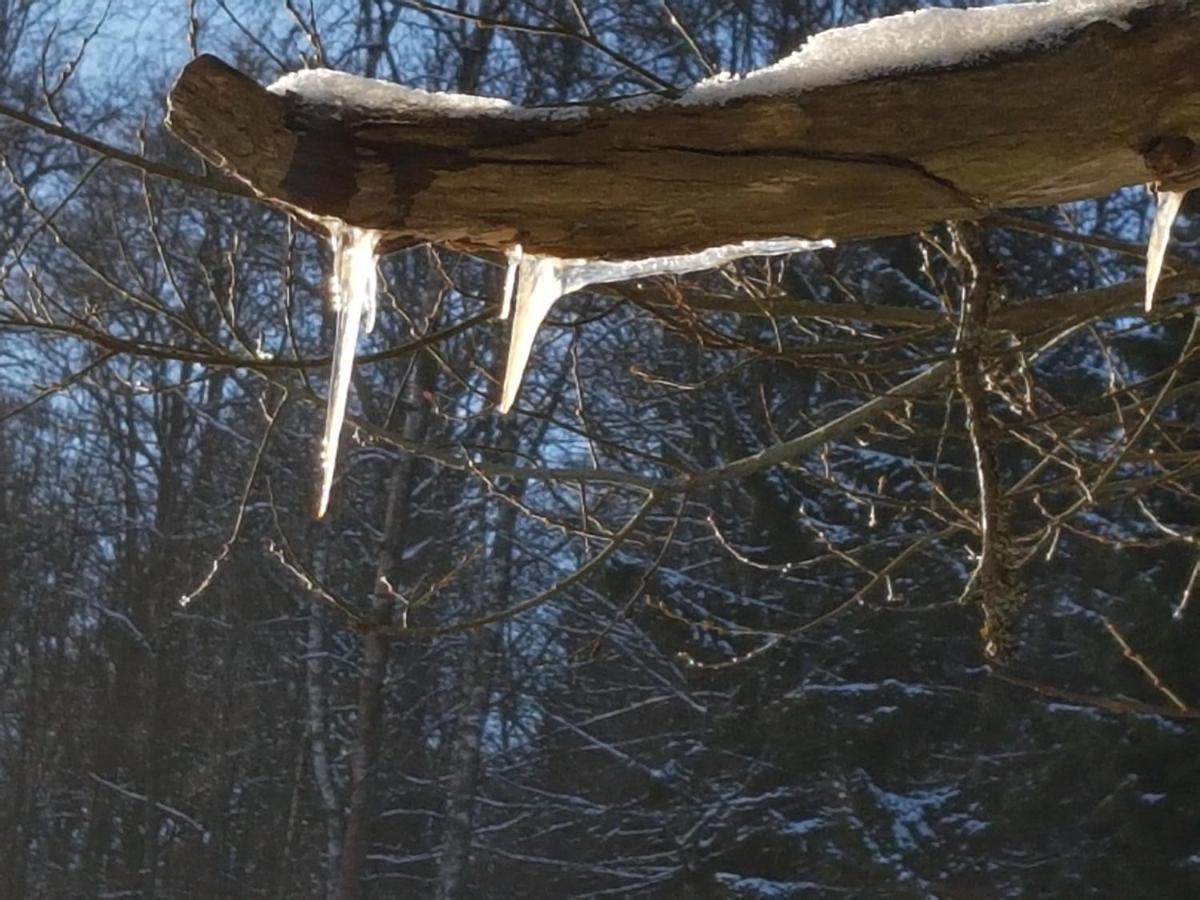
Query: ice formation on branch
[352, 299]
[1160, 237]
[925, 39]
[540, 280]
[531, 286]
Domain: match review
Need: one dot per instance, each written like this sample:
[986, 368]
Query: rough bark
[883, 156]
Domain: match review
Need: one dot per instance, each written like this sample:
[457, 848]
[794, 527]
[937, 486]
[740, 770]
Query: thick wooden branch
[1109, 106]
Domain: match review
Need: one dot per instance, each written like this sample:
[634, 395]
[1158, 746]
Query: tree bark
[889, 155]
[475, 685]
[316, 710]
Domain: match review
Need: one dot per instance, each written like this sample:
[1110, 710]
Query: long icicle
[539, 285]
[352, 298]
[541, 280]
[1160, 237]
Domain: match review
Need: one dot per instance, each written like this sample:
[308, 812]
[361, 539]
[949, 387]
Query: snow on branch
[878, 129]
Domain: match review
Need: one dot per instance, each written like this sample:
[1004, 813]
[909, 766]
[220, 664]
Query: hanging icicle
[514, 255]
[539, 283]
[540, 280]
[1160, 238]
[352, 299]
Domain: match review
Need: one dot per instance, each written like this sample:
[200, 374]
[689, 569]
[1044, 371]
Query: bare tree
[700, 618]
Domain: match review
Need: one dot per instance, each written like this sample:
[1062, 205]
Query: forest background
[505, 664]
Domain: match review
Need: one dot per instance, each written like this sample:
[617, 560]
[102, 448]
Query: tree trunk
[376, 646]
[475, 685]
[314, 682]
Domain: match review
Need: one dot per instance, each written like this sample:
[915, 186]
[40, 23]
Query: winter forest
[863, 570]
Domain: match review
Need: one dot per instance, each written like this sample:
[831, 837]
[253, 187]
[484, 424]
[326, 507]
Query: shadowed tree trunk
[475, 689]
[316, 707]
[375, 646]
[475, 684]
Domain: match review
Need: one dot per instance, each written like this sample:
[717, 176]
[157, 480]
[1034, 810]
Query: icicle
[582, 272]
[352, 298]
[1160, 237]
[539, 284]
[514, 255]
[541, 280]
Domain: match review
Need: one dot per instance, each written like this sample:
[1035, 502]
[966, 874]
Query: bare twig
[1137, 660]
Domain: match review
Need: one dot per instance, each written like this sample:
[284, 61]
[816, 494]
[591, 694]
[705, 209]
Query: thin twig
[125, 157]
[236, 532]
[1137, 660]
[1109, 704]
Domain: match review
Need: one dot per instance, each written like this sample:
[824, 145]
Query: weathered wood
[1106, 108]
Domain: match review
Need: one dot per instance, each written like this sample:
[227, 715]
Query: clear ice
[540, 280]
[352, 298]
[1160, 237]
